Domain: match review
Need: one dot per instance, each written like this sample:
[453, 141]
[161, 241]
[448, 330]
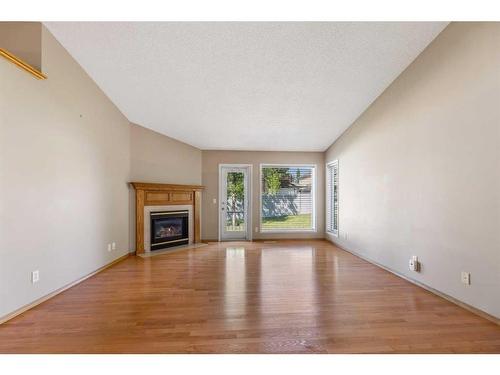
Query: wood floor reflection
[285, 297]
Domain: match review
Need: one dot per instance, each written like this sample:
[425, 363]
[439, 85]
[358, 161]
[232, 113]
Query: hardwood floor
[286, 297]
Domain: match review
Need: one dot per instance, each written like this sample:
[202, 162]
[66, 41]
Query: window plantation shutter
[332, 209]
[287, 198]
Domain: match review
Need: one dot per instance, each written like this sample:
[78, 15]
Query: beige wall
[420, 169]
[66, 157]
[210, 179]
[24, 40]
[158, 158]
[64, 167]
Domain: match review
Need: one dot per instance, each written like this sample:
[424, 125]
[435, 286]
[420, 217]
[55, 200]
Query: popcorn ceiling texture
[245, 86]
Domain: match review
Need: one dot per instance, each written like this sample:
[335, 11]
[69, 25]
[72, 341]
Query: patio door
[234, 201]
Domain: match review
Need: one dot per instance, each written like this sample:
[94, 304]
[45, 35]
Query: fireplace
[160, 198]
[169, 228]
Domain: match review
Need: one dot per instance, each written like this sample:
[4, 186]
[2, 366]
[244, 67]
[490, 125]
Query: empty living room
[321, 185]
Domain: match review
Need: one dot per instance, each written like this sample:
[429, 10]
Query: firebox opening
[169, 228]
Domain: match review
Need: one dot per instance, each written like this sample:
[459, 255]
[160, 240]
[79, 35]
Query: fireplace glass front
[169, 228]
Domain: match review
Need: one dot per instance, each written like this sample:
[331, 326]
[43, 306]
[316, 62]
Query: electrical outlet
[465, 278]
[214, 201]
[35, 276]
[109, 247]
[414, 264]
[256, 229]
[113, 246]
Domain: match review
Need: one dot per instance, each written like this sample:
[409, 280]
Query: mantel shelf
[164, 187]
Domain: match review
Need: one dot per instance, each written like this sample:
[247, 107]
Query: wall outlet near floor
[35, 276]
[414, 264]
[465, 278]
[113, 246]
[109, 247]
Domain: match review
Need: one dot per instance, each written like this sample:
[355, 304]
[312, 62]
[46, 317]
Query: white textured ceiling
[245, 86]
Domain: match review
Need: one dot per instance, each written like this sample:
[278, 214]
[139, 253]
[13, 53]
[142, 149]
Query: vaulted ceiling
[245, 86]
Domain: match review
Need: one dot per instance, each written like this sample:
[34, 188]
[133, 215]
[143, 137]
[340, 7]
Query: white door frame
[248, 200]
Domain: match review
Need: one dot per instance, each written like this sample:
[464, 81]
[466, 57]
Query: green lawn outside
[302, 221]
[237, 228]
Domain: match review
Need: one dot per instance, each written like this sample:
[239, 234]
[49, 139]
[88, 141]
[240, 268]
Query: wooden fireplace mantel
[151, 194]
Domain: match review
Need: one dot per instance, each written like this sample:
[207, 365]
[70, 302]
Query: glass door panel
[234, 203]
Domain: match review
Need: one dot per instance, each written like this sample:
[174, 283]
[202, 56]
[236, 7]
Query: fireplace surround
[153, 197]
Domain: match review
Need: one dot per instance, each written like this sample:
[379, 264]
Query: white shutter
[332, 204]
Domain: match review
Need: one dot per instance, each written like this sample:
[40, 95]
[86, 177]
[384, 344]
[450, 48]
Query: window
[287, 198]
[332, 203]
